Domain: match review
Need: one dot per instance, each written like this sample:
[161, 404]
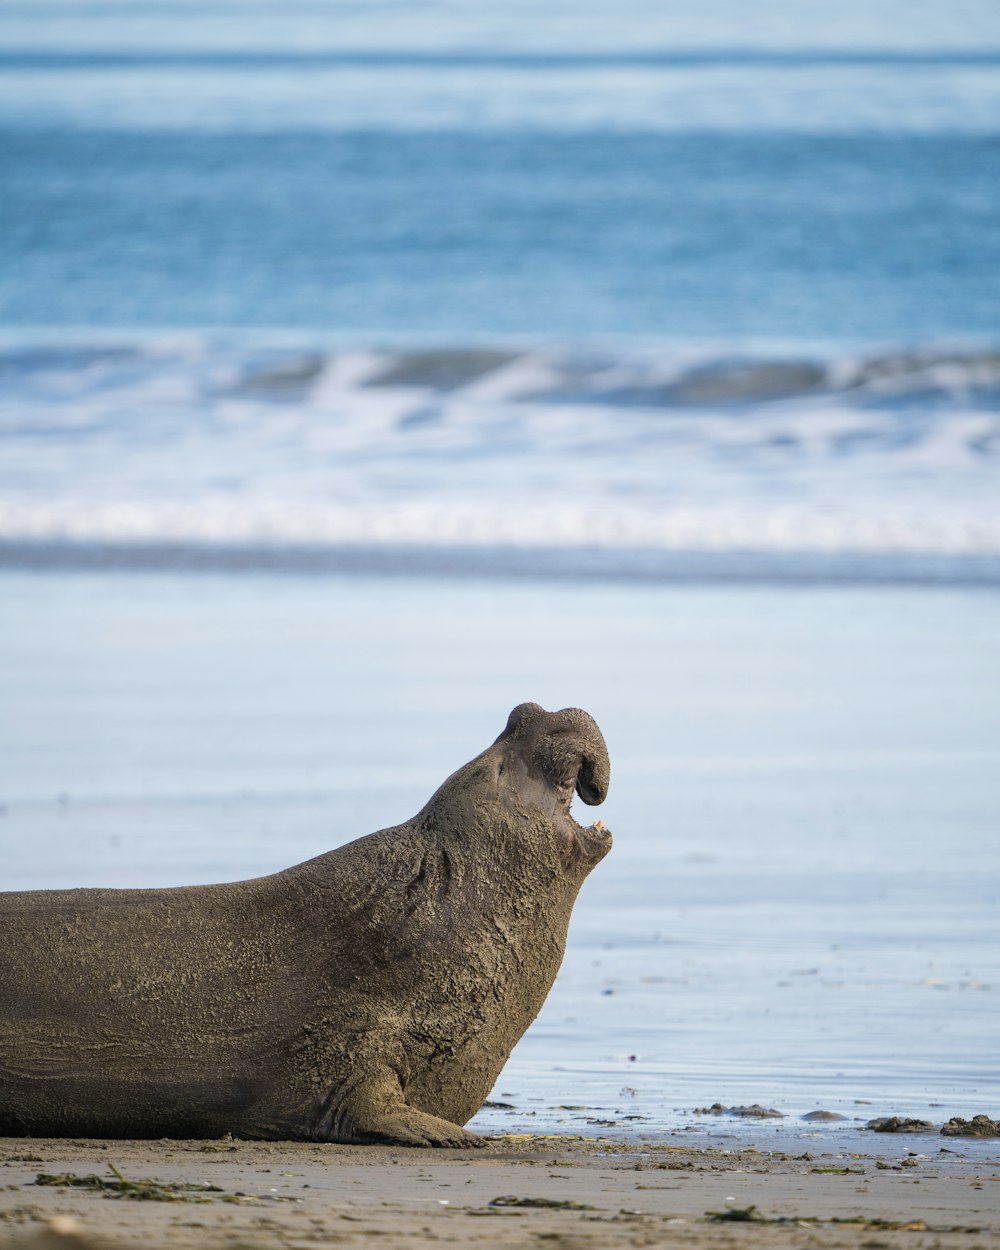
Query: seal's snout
[566, 747]
[594, 770]
[592, 789]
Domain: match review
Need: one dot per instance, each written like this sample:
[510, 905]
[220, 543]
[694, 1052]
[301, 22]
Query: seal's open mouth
[593, 841]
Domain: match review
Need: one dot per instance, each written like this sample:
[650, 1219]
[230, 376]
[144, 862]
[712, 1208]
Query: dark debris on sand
[754, 1112]
[900, 1124]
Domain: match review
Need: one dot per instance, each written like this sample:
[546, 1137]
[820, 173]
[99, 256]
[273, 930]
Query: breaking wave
[638, 460]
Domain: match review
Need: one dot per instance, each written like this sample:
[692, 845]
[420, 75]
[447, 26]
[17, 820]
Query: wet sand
[591, 1193]
[778, 921]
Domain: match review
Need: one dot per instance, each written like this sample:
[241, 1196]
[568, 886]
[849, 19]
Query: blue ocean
[635, 290]
[369, 368]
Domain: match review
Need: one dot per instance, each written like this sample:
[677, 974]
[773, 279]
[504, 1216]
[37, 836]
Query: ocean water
[644, 358]
[663, 292]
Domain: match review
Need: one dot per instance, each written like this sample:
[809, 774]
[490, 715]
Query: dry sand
[612, 1194]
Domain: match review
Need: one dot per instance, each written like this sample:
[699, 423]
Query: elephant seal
[369, 995]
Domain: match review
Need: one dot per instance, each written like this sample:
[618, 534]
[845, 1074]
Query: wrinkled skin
[370, 995]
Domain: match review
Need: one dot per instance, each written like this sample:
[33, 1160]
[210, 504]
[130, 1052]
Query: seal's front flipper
[406, 1126]
[374, 1112]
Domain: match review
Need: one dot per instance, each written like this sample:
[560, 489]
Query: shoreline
[520, 1190]
[792, 569]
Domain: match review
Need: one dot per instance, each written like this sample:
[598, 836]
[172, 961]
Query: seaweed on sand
[750, 1215]
[148, 1189]
[561, 1204]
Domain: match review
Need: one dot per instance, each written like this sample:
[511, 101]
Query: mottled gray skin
[370, 995]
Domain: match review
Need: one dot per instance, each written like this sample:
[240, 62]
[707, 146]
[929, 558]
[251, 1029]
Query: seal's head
[519, 790]
[551, 755]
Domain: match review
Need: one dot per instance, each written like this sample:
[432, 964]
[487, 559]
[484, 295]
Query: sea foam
[208, 442]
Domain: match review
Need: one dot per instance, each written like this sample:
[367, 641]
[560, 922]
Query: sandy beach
[518, 1191]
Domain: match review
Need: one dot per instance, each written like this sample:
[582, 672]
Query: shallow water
[801, 905]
